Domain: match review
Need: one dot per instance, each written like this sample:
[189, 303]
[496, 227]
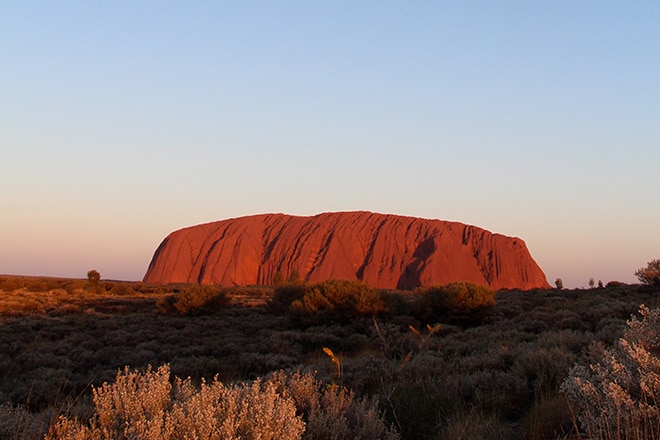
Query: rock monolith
[382, 250]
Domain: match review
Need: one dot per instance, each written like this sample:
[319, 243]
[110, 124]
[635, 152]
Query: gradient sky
[122, 121]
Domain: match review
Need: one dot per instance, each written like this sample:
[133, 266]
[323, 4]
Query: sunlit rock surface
[385, 251]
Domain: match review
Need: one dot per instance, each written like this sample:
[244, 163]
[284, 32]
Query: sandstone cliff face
[385, 251]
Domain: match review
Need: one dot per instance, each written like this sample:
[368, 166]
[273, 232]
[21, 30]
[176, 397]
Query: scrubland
[334, 360]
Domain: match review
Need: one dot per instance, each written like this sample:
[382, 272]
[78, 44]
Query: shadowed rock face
[385, 251]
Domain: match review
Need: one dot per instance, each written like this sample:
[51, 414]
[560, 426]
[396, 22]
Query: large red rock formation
[385, 251]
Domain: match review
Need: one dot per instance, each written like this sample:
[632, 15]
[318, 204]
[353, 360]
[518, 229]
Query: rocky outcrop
[385, 251]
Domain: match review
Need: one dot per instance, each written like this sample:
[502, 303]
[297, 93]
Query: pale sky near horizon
[123, 121]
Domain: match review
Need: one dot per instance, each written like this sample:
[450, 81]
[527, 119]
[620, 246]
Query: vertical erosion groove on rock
[383, 250]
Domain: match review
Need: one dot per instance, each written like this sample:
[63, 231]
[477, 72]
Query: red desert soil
[385, 251]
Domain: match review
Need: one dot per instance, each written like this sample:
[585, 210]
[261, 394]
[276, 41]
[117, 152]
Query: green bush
[333, 297]
[193, 299]
[460, 297]
[284, 295]
[340, 297]
[454, 299]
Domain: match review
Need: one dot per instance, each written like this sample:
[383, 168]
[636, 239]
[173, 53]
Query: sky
[123, 121]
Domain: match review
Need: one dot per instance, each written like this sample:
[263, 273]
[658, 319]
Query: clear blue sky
[122, 121]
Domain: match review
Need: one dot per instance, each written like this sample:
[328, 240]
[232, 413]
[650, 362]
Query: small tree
[592, 283]
[650, 274]
[93, 278]
[559, 283]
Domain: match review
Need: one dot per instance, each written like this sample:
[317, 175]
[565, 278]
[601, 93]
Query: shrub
[294, 277]
[122, 289]
[619, 395]
[37, 286]
[73, 286]
[473, 424]
[12, 284]
[148, 406]
[454, 299]
[332, 412]
[549, 418]
[197, 300]
[284, 295]
[16, 422]
[278, 278]
[66, 309]
[340, 297]
[650, 274]
[165, 305]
